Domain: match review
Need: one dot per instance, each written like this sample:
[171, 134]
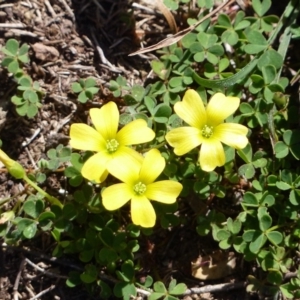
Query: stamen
[139, 188]
[207, 131]
[112, 145]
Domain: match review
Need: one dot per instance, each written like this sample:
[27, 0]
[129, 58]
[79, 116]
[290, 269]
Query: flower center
[207, 131]
[139, 188]
[112, 145]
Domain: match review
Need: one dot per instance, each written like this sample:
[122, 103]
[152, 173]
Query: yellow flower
[107, 141]
[139, 187]
[207, 128]
[13, 167]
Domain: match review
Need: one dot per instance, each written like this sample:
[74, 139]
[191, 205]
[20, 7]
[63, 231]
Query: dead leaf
[217, 265]
[178, 36]
[45, 53]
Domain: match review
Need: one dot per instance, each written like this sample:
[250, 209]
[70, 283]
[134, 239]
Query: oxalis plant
[28, 93]
[211, 120]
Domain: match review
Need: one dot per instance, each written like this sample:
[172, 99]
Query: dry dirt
[72, 39]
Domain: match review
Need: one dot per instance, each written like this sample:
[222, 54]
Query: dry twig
[178, 36]
[17, 281]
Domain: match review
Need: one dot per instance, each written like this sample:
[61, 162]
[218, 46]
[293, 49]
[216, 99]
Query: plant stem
[50, 198]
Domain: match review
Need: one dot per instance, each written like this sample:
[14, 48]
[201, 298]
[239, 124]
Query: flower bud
[13, 167]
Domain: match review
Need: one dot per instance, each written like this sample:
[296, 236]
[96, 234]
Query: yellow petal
[231, 134]
[184, 139]
[116, 196]
[165, 191]
[125, 166]
[84, 137]
[142, 212]
[106, 120]
[152, 166]
[124, 152]
[221, 107]
[135, 132]
[211, 155]
[191, 109]
[94, 169]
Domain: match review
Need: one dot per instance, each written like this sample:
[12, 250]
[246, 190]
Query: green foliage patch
[260, 183]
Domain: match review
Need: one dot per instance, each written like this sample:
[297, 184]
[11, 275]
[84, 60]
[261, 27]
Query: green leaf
[230, 37]
[129, 100]
[76, 87]
[69, 211]
[257, 243]
[179, 289]
[224, 20]
[13, 67]
[256, 38]
[265, 222]
[223, 234]
[281, 149]
[205, 3]
[247, 170]
[162, 112]
[283, 185]
[30, 231]
[125, 290]
[91, 91]
[270, 57]
[246, 109]
[86, 255]
[171, 4]
[46, 216]
[32, 110]
[261, 6]
[22, 110]
[269, 73]
[188, 40]
[90, 82]
[267, 200]
[6, 60]
[176, 81]
[107, 236]
[23, 51]
[105, 290]
[12, 46]
[138, 92]
[155, 296]
[31, 96]
[292, 139]
[108, 255]
[128, 270]
[275, 277]
[160, 69]
[83, 97]
[260, 163]
[90, 274]
[275, 237]
[33, 208]
[225, 244]
[73, 279]
[159, 287]
[246, 154]
[234, 226]
[227, 82]
[295, 197]
[287, 289]
[250, 199]
[254, 49]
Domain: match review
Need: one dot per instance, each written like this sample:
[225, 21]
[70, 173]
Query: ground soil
[72, 39]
